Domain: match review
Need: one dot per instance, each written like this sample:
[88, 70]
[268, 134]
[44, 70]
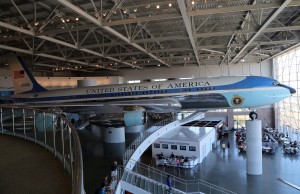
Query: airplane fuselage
[221, 92]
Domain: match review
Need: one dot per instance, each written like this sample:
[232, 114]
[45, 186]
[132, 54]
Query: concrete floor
[225, 170]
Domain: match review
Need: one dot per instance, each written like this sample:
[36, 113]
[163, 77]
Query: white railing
[180, 185]
[49, 130]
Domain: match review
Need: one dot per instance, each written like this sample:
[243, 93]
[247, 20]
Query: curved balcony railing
[50, 130]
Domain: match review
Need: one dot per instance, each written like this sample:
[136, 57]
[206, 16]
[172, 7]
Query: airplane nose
[292, 90]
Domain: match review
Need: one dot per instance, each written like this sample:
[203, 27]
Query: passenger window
[157, 145]
[192, 148]
[164, 146]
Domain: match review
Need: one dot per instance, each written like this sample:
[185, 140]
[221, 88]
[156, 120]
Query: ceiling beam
[188, 27]
[142, 19]
[261, 29]
[240, 8]
[106, 28]
[50, 39]
[14, 49]
[246, 18]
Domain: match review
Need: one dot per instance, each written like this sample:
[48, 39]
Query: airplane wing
[148, 104]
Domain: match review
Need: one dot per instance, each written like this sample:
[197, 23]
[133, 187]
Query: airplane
[167, 96]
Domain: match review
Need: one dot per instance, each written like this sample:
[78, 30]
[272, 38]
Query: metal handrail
[70, 156]
[178, 183]
[130, 150]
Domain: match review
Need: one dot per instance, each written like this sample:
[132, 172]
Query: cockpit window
[276, 83]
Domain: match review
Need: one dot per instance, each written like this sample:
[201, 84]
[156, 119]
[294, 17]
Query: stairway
[147, 184]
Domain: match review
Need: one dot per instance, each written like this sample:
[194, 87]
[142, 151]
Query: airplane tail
[23, 80]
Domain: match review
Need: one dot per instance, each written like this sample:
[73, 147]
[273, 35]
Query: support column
[134, 129]
[254, 147]
[96, 130]
[114, 135]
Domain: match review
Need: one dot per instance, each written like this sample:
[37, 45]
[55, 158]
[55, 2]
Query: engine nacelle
[134, 118]
[127, 119]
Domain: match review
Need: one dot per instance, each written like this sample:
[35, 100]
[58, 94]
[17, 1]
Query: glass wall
[287, 71]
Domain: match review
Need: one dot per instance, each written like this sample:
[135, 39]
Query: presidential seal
[237, 101]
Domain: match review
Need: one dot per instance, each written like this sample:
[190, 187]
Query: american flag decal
[18, 74]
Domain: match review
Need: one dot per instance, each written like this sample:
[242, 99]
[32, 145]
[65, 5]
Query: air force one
[205, 93]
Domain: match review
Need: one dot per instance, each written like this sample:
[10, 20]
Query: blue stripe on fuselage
[248, 82]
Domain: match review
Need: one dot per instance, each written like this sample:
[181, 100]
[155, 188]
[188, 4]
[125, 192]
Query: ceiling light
[124, 11]
[104, 14]
[193, 2]
[62, 20]
[170, 4]
[158, 6]
[77, 18]
[243, 60]
[158, 65]
[68, 19]
[147, 6]
[36, 23]
[135, 10]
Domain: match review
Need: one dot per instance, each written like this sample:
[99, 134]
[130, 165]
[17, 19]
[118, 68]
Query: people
[114, 168]
[228, 145]
[101, 190]
[223, 147]
[105, 183]
[181, 161]
[172, 155]
[169, 182]
[177, 161]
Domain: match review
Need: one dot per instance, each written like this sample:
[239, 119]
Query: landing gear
[253, 115]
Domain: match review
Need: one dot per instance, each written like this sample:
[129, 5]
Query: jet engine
[127, 119]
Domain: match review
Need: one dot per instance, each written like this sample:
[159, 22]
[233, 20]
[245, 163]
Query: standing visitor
[223, 147]
[169, 183]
